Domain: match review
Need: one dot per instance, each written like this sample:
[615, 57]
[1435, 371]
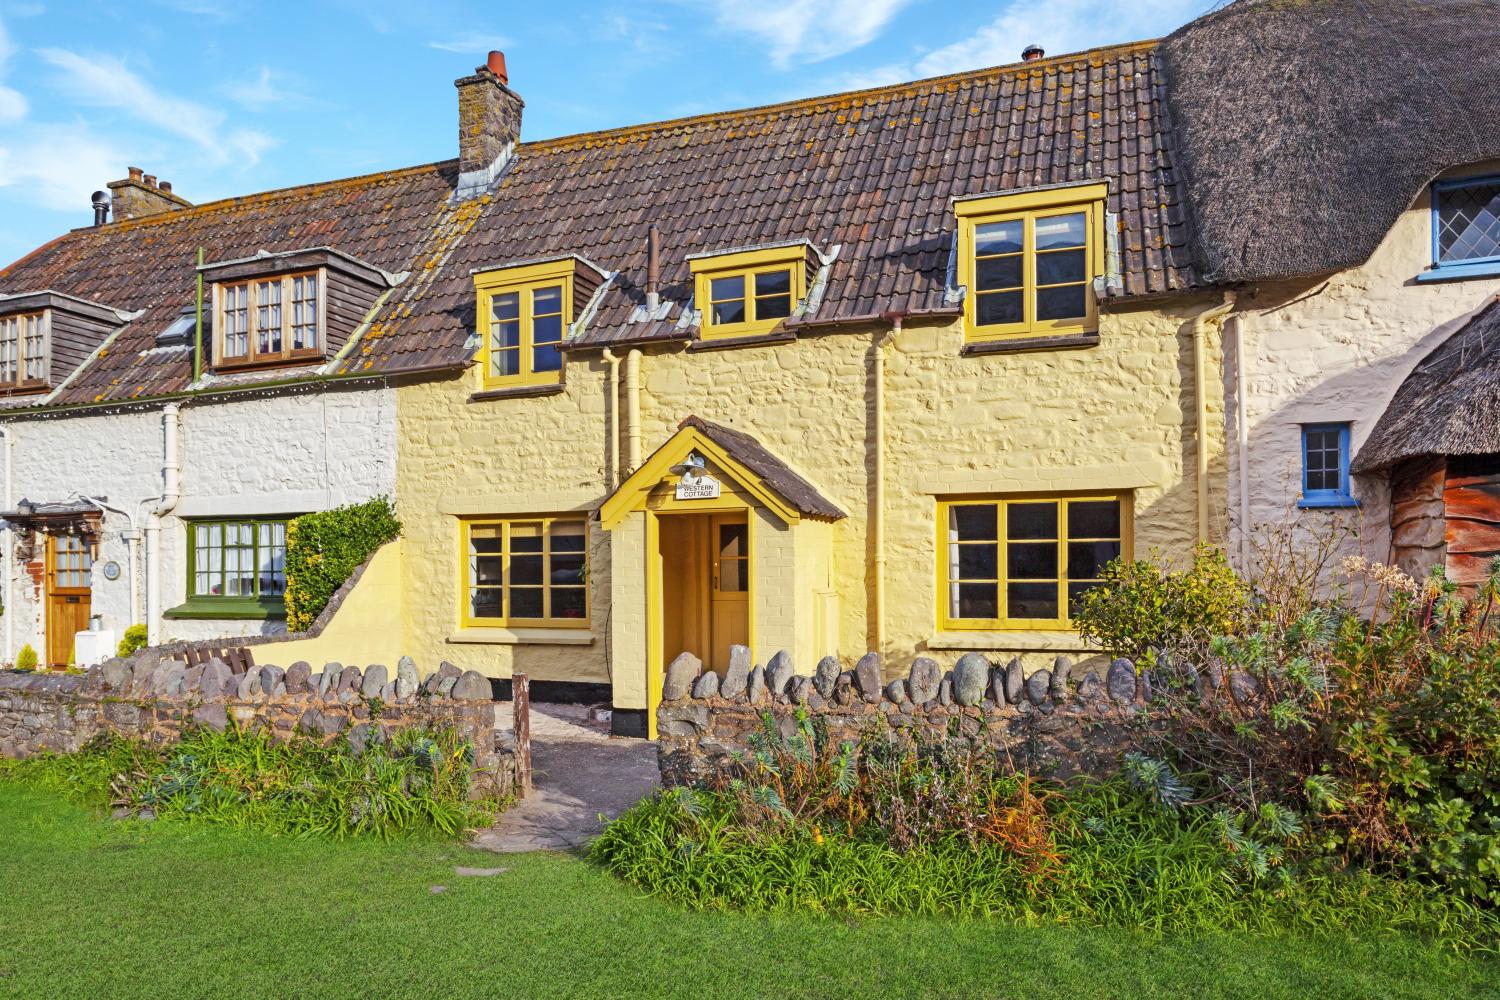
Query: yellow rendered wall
[1120, 415]
[360, 631]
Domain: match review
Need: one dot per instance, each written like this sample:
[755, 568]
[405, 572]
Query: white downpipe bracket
[171, 493]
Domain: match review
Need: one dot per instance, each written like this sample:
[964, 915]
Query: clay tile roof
[775, 473]
[1306, 128]
[872, 172]
[1448, 405]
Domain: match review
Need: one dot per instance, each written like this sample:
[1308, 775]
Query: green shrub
[134, 639]
[1122, 863]
[1142, 606]
[324, 549]
[26, 658]
[417, 783]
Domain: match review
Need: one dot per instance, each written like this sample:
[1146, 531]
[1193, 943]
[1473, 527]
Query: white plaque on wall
[697, 487]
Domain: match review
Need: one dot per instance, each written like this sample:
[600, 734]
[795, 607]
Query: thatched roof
[1305, 127]
[1448, 405]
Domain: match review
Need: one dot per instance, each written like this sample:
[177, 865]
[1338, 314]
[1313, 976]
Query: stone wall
[156, 699]
[1051, 722]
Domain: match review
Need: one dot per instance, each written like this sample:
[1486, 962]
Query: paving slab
[579, 771]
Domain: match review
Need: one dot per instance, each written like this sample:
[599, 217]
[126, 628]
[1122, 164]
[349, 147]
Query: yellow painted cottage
[895, 370]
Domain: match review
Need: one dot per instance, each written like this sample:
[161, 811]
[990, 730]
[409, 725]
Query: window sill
[749, 340]
[227, 609]
[1460, 272]
[1324, 503]
[524, 636]
[292, 361]
[1017, 345]
[1020, 640]
[517, 392]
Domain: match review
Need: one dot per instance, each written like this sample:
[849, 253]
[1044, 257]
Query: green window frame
[236, 568]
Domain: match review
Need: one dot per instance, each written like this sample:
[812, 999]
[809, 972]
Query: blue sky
[226, 98]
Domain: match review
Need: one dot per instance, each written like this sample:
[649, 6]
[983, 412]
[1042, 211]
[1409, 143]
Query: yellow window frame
[523, 281]
[1028, 207]
[507, 524]
[747, 265]
[947, 622]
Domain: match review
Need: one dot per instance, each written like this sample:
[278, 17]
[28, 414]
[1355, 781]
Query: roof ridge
[885, 90]
[261, 197]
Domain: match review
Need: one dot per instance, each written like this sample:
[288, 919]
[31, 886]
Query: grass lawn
[93, 908]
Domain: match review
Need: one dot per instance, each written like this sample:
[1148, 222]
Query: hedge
[324, 549]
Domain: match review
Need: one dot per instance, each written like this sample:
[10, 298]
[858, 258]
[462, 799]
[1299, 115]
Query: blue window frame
[1325, 466]
[1465, 229]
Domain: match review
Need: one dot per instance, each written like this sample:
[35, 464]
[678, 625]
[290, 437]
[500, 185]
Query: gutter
[1200, 379]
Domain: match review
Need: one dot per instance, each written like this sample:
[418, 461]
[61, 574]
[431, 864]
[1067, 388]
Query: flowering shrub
[1366, 720]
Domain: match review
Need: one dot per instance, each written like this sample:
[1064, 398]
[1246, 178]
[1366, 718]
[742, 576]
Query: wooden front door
[69, 565]
[729, 591]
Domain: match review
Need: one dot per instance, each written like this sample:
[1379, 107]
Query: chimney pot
[135, 173]
[149, 180]
[495, 63]
[1032, 53]
[166, 186]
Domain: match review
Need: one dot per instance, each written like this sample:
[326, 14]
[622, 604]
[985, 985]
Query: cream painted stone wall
[1335, 349]
[1119, 416]
[277, 454]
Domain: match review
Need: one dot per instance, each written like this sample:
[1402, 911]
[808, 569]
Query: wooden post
[520, 702]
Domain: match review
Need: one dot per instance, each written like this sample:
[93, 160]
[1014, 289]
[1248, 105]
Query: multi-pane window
[270, 319]
[1023, 562]
[238, 559]
[23, 350]
[1466, 221]
[747, 293]
[1028, 261]
[72, 563]
[750, 298]
[526, 327]
[526, 571]
[1325, 466]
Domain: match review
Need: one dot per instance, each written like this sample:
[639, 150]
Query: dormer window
[750, 293]
[270, 320]
[524, 314]
[23, 351]
[1028, 261]
[290, 308]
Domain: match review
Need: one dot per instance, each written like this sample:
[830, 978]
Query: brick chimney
[489, 126]
[139, 195]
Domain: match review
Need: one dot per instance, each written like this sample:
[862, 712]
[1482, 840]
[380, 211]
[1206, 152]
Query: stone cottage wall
[1049, 722]
[158, 700]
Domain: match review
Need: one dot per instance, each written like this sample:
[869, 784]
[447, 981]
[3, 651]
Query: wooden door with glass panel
[70, 563]
[729, 586]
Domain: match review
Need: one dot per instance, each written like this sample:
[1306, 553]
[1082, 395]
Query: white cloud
[106, 82]
[806, 31]
[12, 102]
[1058, 26]
[58, 166]
[476, 45]
[267, 89]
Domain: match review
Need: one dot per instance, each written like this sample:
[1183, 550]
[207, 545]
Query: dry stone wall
[158, 699]
[1051, 722]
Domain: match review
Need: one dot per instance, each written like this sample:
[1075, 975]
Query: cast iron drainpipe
[877, 501]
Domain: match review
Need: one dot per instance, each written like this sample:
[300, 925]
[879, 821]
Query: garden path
[578, 772]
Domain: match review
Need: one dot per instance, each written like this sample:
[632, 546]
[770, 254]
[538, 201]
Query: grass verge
[100, 909]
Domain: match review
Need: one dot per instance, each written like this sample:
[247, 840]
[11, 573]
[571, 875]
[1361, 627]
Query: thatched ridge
[1448, 405]
[1305, 127]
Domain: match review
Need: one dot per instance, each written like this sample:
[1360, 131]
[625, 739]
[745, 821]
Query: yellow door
[729, 586]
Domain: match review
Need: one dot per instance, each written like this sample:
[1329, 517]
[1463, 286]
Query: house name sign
[696, 484]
